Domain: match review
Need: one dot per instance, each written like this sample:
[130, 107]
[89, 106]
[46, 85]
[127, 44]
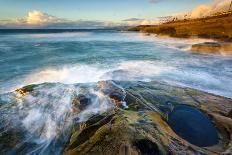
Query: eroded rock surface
[111, 117]
[147, 124]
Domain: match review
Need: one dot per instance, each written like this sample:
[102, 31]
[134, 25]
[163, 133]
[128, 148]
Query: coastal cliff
[212, 27]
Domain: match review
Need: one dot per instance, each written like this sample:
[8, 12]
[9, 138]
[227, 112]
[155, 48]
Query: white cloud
[38, 19]
[207, 9]
[204, 10]
[137, 21]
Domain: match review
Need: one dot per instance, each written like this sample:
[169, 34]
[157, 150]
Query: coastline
[217, 27]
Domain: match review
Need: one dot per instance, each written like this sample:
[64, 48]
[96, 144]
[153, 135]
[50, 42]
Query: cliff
[218, 26]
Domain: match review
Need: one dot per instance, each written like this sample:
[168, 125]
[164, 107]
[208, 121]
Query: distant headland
[217, 26]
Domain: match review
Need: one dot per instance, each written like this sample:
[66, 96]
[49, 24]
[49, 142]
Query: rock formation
[144, 118]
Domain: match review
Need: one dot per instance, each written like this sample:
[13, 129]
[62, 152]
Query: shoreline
[212, 27]
[217, 28]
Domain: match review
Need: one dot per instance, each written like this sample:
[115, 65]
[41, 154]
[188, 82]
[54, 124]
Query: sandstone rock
[213, 47]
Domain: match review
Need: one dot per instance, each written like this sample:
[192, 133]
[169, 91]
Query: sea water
[83, 56]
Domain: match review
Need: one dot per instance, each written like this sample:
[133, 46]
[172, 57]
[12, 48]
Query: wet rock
[230, 114]
[25, 90]
[117, 96]
[80, 102]
[87, 132]
[160, 119]
[193, 126]
[28, 88]
[213, 47]
[117, 99]
[9, 139]
[125, 150]
[84, 101]
[147, 147]
[114, 91]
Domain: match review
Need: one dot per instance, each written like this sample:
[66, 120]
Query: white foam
[100, 104]
[181, 44]
[125, 70]
[48, 115]
[45, 115]
[68, 75]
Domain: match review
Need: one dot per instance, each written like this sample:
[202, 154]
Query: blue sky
[101, 13]
[104, 10]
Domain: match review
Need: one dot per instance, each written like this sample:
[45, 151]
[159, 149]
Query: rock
[230, 114]
[80, 102]
[213, 47]
[164, 120]
[27, 89]
[126, 150]
[160, 119]
[115, 93]
[212, 27]
[147, 147]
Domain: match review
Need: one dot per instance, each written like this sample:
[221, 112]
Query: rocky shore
[213, 47]
[212, 27]
[145, 118]
[158, 119]
[216, 27]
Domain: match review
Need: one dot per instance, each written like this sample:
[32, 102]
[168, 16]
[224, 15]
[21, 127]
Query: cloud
[204, 10]
[38, 19]
[138, 21]
[200, 11]
[132, 19]
[208, 9]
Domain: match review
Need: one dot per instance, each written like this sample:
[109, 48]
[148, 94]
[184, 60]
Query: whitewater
[97, 55]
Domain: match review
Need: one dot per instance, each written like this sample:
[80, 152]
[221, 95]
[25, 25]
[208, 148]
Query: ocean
[84, 56]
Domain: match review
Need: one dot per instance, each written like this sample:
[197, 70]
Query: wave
[79, 73]
[44, 119]
[135, 70]
[179, 43]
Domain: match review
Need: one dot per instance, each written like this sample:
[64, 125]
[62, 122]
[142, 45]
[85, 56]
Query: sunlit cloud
[204, 10]
[38, 19]
[138, 21]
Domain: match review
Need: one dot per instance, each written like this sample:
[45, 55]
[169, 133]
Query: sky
[38, 13]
